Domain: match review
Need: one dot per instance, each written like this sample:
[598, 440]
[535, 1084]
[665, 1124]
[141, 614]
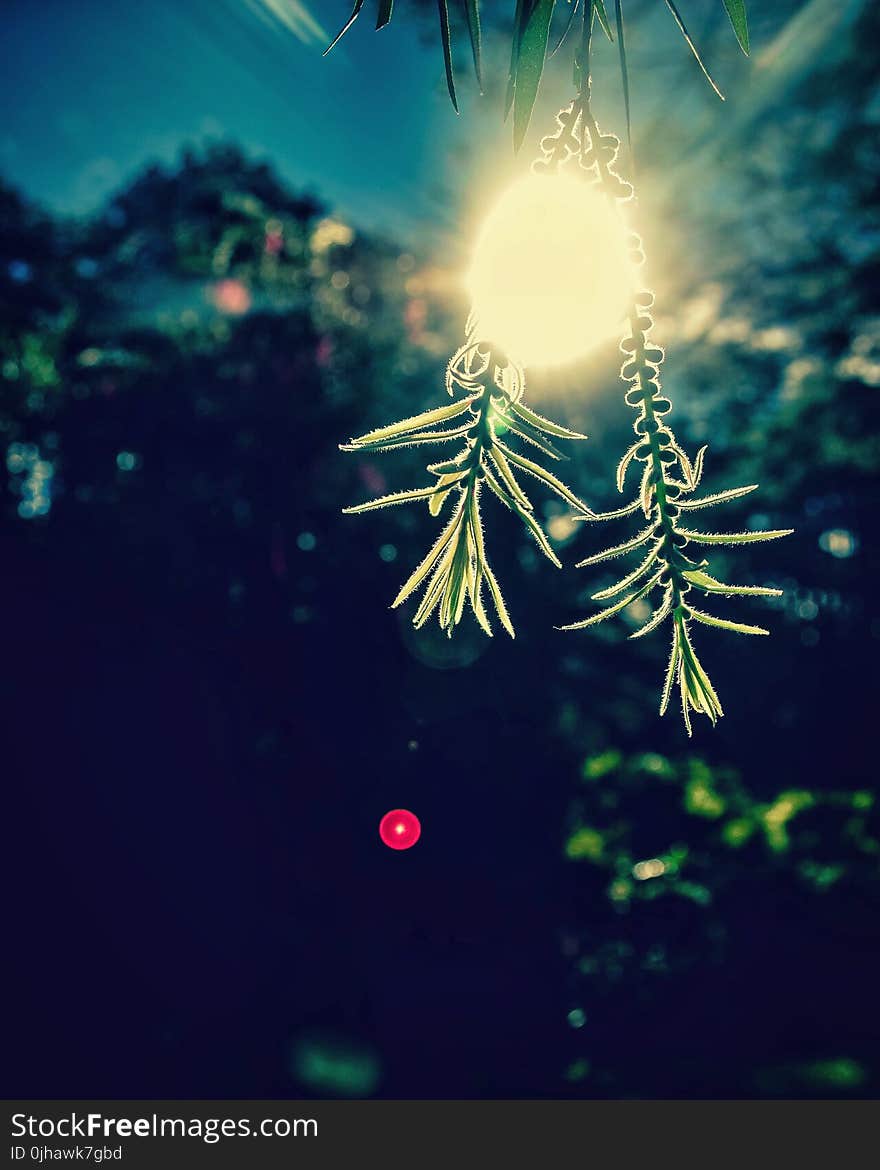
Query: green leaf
[544, 424]
[519, 427]
[547, 478]
[424, 568]
[530, 66]
[674, 662]
[710, 585]
[719, 498]
[472, 12]
[734, 537]
[434, 588]
[426, 419]
[415, 439]
[518, 25]
[604, 614]
[659, 615]
[624, 71]
[617, 514]
[623, 465]
[383, 16]
[509, 478]
[736, 10]
[602, 17]
[698, 676]
[393, 498]
[608, 554]
[630, 578]
[358, 5]
[447, 51]
[528, 519]
[573, 7]
[693, 48]
[737, 627]
[500, 607]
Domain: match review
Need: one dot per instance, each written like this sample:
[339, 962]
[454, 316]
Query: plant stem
[646, 377]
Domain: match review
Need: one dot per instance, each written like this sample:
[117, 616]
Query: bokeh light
[400, 829]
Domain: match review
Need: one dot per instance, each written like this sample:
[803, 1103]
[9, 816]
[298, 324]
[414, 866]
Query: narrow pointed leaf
[500, 607]
[547, 478]
[629, 579]
[389, 500]
[698, 465]
[358, 5]
[519, 427]
[472, 11]
[445, 36]
[383, 16]
[509, 478]
[605, 614]
[646, 491]
[530, 66]
[695, 667]
[426, 419]
[423, 569]
[710, 585]
[618, 550]
[669, 679]
[685, 698]
[722, 623]
[418, 439]
[734, 537]
[573, 8]
[623, 466]
[518, 28]
[691, 505]
[544, 424]
[693, 48]
[602, 16]
[736, 10]
[540, 537]
[617, 514]
[624, 71]
[434, 589]
[528, 519]
[657, 617]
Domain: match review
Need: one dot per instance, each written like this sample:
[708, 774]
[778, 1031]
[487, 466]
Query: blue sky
[91, 90]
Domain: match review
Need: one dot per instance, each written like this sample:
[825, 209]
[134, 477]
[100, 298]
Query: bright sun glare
[550, 276]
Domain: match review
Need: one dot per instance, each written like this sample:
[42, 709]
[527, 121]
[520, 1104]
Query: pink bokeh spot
[400, 829]
[231, 296]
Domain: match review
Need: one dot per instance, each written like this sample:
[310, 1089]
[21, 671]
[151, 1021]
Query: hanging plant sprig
[529, 303]
[484, 423]
[666, 575]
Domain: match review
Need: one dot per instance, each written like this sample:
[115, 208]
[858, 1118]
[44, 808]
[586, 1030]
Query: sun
[550, 276]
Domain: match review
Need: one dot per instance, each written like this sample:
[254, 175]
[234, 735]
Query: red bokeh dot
[400, 829]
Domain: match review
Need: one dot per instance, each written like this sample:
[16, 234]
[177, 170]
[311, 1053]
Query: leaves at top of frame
[624, 71]
[472, 12]
[682, 28]
[602, 16]
[446, 38]
[574, 6]
[529, 46]
[355, 12]
[736, 10]
[532, 51]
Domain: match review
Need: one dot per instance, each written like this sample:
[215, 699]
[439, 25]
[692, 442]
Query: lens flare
[551, 276]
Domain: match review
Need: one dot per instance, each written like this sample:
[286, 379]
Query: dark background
[208, 705]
